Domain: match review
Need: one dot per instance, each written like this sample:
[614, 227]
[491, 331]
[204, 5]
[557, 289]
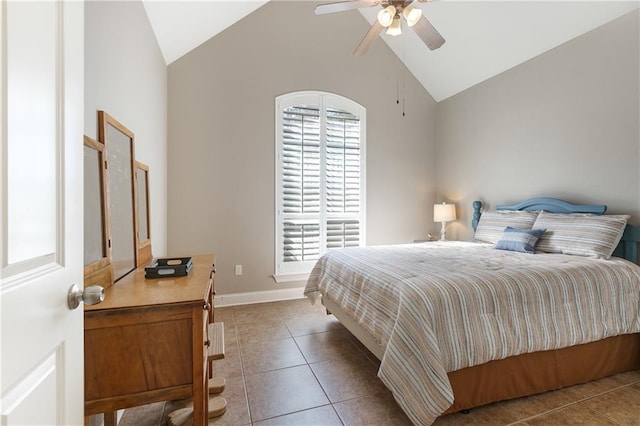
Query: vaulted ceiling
[483, 38]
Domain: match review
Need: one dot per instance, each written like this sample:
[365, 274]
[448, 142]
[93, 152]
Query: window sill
[287, 278]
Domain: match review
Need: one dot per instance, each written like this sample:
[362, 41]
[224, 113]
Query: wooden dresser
[147, 341]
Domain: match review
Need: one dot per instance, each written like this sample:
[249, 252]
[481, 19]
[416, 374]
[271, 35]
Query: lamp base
[443, 232]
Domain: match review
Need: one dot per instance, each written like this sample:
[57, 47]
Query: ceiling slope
[486, 38]
[181, 26]
[483, 38]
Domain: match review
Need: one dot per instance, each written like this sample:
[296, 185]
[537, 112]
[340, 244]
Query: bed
[457, 325]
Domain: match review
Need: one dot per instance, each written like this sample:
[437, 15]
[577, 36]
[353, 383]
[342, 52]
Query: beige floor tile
[488, 415]
[261, 331]
[237, 407]
[270, 355]
[629, 377]
[597, 387]
[348, 379]
[535, 404]
[231, 348]
[621, 406]
[346, 370]
[228, 367]
[380, 409]
[332, 345]
[255, 313]
[321, 416]
[224, 315]
[303, 306]
[301, 325]
[576, 414]
[283, 391]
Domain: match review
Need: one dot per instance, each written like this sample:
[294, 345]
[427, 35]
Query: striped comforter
[436, 308]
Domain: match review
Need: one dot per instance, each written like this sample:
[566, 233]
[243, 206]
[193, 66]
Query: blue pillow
[520, 240]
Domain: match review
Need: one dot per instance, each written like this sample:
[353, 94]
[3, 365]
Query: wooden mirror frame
[100, 272]
[121, 265]
[143, 244]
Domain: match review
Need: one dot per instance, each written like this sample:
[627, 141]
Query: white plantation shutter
[319, 178]
[342, 179]
[300, 161]
[343, 233]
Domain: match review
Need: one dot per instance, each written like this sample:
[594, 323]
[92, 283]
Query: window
[320, 179]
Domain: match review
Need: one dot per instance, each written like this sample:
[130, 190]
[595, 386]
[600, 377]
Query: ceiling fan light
[412, 15]
[395, 28]
[386, 15]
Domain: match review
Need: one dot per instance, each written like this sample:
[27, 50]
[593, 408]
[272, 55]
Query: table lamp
[444, 213]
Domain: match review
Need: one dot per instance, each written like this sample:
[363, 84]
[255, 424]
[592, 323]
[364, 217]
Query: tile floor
[288, 363]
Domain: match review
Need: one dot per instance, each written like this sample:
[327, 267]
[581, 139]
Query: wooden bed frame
[537, 372]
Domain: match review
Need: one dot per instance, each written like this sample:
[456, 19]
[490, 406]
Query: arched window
[320, 179]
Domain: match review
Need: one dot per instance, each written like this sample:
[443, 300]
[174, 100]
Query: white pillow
[493, 223]
[580, 234]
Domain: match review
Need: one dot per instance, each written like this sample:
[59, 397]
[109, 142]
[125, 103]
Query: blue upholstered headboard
[628, 247]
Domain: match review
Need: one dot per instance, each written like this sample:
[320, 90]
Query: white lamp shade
[412, 15]
[444, 212]
[395, 28]
[385, 16]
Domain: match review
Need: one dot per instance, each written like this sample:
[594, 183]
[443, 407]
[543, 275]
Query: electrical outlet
[238, 269]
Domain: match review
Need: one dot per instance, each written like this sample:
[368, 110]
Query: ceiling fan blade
[428, 33]
[344, 5]
[368, 39]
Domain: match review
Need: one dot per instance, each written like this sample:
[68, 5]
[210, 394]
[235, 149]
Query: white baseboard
[234, 299]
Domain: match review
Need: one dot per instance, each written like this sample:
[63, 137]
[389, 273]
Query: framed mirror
[97, 253]
[144, 219]
[120, 155]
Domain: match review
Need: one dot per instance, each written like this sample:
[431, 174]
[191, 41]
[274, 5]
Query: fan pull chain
[400, 90]
[404, 77]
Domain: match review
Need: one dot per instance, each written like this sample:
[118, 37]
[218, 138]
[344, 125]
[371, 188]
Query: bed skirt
[538, 372]
[526, 374]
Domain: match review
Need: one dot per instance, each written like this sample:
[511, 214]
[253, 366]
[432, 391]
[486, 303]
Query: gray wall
[564, 124]
[221, 136]
[125, 75]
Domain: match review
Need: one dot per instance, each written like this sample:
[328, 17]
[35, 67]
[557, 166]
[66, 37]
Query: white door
[41, 178]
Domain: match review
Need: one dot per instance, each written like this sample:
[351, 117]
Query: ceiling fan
[389, 17]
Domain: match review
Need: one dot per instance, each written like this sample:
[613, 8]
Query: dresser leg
[111, 418]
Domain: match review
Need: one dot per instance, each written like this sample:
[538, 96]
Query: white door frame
[41, 225]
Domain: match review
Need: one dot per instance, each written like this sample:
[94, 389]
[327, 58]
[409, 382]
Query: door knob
[91, 295]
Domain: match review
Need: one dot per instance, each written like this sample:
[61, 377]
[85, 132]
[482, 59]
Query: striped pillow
[580, 234]
[493, 223]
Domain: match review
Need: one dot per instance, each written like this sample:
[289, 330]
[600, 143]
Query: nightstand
[430, 238]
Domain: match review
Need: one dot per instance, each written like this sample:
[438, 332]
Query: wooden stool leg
[217, 405]
[216, 385]
[215, 332]
[184, 416]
